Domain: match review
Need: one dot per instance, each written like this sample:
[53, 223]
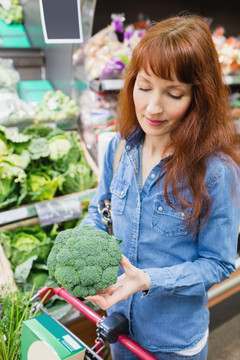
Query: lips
[155, 123]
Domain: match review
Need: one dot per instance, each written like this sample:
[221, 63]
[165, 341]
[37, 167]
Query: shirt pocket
[166, 220]
[119, 189]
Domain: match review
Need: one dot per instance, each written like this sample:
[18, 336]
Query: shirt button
[182, 214]
[121, 192]
[152, 176]
[138, 204]
[128, 147]
[160, 208]
[134, 236]
[136, 171]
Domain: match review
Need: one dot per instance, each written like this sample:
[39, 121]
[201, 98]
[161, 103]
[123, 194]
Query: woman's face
[160, 104]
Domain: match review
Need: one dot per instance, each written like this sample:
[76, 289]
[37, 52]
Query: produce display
[98, 115]
[105, 56]
[13, 14]
[15, 307]
[14, 111]
[84, 260]
[27, 249]
[41, 163]
[56, 106]
[9, 77]
[228, 49]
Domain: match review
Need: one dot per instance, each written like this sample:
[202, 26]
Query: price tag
[9, 216]
[58, 210]
[6, 4]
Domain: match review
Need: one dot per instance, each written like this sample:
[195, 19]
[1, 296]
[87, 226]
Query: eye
[177, 97]
[143, 89]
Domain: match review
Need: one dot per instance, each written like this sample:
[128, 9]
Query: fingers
[125, 264]
[108, 299]
[100, 301]
[94, 299]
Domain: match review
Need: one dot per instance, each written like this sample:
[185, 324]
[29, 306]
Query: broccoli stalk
[84, 260]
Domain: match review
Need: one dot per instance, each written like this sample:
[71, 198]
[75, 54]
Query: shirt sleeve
[217, 243]
[93, 217]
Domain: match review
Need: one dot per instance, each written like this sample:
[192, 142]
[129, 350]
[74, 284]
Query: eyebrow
[176, 86]
[141, 77]
[173, 86]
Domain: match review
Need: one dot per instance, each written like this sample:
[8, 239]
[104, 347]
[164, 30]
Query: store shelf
[48, 212]
[28, 61]
[106, 84]
[24, 56]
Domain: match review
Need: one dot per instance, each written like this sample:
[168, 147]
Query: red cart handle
[46, 293]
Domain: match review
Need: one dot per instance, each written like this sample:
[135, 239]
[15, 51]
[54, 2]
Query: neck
[154, 147]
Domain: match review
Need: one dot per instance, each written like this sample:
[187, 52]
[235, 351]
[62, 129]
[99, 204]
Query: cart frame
[46, 293]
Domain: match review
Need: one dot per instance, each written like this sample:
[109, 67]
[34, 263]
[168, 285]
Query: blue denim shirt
[172, 315]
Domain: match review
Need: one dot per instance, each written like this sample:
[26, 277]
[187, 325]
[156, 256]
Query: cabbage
[59, 146]
[25, 243]
[41, 186]
[77, 178]
[38, 148]
[21, 161]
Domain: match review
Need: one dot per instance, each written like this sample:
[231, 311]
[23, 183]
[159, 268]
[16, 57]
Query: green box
[15, 42]
[33, 91]
[11, 29]
[44, 338]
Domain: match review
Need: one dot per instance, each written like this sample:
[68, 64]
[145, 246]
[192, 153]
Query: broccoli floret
[84, 260]
[68, 276]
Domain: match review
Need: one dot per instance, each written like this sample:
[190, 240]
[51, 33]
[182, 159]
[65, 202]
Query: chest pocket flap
[166, 220]
[119, 189]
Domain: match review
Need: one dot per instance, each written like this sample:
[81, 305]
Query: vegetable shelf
[48, 212]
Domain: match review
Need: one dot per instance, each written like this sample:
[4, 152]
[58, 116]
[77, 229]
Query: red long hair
[183, 46]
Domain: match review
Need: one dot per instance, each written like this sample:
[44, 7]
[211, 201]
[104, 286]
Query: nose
[155, 106]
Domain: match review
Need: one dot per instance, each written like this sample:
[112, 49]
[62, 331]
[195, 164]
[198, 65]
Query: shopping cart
[109, 329]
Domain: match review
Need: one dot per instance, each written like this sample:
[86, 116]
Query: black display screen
[61, 20]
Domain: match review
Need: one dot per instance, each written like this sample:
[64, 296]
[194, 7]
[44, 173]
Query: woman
[175, 192]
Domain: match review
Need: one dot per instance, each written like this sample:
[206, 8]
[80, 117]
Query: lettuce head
[41, 186]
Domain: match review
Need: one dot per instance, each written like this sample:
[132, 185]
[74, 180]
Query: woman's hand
[132, 281]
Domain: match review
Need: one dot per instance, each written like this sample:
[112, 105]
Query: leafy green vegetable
[14, 15]
[37, 278]
[41, 186]
[84, 260]
[13, 135]
[15, 307]
[56, 106]
[77, 178]
[59, 146]
[37, 131]
[25, 243]
[11, 180]
[22, 161]
[23, 270]
[39, 148]
[62, 158]
[35, 168]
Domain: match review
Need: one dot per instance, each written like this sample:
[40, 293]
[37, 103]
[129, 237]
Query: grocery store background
[55, 63]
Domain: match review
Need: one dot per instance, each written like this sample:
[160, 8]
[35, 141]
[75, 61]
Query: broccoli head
[84, 260]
